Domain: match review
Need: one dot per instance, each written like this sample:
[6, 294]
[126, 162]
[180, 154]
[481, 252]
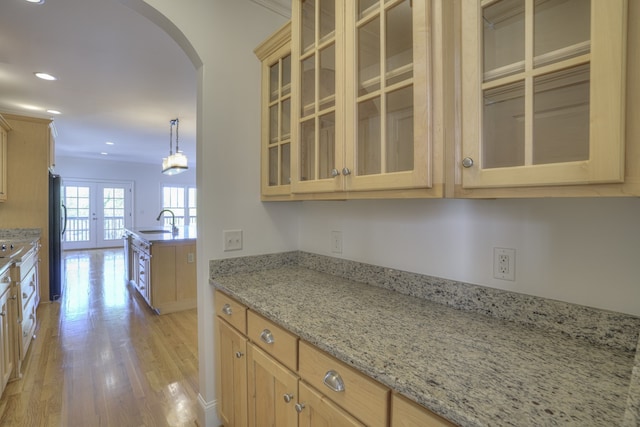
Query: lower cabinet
[7, 342]
[267, 376]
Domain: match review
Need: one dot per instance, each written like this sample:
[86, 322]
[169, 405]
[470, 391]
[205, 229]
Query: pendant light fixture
[176, 162]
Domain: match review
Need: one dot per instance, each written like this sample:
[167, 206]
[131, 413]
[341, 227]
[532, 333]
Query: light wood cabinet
[362, 102]
[4, 130]
[231, 375]
[543, 93]
[284, 381]
[275, 152]
[164, 273]
[405, 413]
[273, 391]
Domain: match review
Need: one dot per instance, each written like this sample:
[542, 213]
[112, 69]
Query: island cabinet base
[163, 273]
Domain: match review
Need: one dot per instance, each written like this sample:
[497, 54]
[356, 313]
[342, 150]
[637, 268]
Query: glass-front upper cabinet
[275, 55]
[543, 85]
[362, 73]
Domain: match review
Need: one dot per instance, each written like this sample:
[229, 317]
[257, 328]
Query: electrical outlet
[191, 258]
[504, 263]
[232, 240]
[336, 242]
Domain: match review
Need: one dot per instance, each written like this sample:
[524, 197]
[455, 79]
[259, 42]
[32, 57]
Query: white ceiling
[120, 78]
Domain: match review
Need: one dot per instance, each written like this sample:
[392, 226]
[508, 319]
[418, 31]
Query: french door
[97, 213]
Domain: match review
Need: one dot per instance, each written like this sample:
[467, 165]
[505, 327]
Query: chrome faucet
[174, 229]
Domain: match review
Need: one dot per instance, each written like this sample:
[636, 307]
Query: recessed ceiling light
[104, 153]
[53, 112]
[36, 1]
[45, 76]
[110, 143]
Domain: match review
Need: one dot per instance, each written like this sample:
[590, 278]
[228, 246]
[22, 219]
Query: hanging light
[176, 162]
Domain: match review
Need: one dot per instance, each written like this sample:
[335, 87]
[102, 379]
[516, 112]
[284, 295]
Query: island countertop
[154, 234]
[472, 369]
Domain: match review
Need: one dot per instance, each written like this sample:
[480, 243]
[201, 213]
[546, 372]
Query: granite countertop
[156, 234]
[472, 369]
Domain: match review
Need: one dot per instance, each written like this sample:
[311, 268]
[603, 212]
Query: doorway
[97, 212]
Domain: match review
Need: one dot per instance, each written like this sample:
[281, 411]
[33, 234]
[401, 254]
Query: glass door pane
[113, 213]
[562, 30]
[81, 226]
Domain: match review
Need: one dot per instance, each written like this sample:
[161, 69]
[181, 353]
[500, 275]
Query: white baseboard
[208, 413]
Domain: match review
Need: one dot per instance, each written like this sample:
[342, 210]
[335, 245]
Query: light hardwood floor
[103, 358]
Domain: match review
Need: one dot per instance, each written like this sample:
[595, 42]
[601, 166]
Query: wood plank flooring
[103, 358]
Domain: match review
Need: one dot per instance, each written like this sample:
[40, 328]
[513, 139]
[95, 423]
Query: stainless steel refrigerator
[57, 226]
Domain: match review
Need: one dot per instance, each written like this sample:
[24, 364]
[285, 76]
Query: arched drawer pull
[333, 380]
[267, 336]
[226, 309]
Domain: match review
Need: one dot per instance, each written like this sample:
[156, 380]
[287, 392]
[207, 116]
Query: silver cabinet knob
[346, 171]
[239, 354]
[288, 397]
[3, 314]
[335, 172]
[267, 336]
[226, 309]
[467, 162]
[299, 407]
[333, 380]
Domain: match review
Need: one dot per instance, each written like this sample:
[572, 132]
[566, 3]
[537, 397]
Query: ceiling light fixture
[45, 76]
[36, 1]
[53, 112]
[176, 162]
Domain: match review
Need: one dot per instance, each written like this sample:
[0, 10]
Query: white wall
[584, 251]
[147, 182]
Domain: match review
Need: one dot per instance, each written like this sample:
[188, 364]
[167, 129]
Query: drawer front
[278, 342]
[28, 326]
[361, 396]
[28, 286]
[29, 260]
[232, 311]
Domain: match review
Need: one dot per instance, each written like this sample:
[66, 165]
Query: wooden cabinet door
[6, 341]
[275, 152]
[317, 410]
[273, 390]
[405, 413]
[543, 92]
[231, 375]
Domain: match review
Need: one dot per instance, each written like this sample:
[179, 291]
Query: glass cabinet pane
[307, 150]
[286, 75]
[327, 18]
[274, 72]
[308, 24]
[562, 30]
[326, 146]
[327, 84]
[285, 162]
[400, 130]
[561, 116]
[369, 57]
[503, 38]
[273, 166]
[369, 137]
[399, 43]
[503, 126]
[273, 124]
[286, 120]
[366, 6]
[308, 86]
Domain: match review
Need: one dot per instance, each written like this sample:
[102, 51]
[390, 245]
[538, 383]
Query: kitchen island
[471, 368]
[161, 266]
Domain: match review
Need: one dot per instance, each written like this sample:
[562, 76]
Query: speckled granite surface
[471, 368]
[19, 234]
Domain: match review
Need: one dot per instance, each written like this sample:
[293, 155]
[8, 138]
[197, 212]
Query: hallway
[103, 358]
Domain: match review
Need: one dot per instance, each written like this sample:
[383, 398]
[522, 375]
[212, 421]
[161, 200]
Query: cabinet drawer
[362, 396]
[273, 339]
[405, 413]
[5, 281]
[29, 260]
[232, 311]
[28, 326]
[28, 286]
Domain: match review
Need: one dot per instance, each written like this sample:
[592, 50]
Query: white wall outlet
[336, 242]
[504, 263]
[191, 257]
[232, 240]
